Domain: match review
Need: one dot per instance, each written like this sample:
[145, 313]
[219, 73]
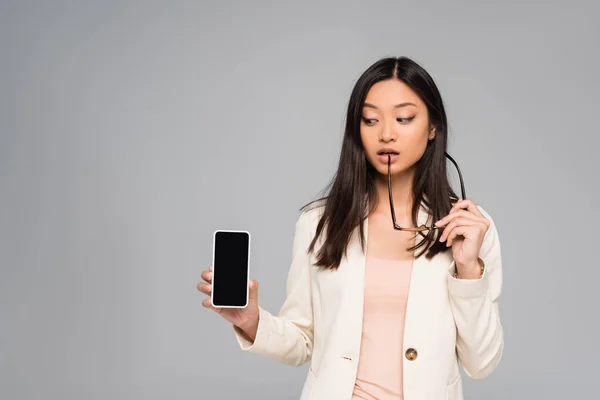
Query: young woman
[394, 279]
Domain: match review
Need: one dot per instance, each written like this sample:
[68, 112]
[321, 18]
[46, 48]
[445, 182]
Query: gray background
[130, 131]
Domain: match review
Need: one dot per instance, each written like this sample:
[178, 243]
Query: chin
[383, 168]
[396, 168]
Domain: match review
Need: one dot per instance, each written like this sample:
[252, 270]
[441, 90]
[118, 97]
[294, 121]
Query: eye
[405, 120]
[369, 121]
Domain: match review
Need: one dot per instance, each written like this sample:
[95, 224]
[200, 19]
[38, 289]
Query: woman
[394, 279]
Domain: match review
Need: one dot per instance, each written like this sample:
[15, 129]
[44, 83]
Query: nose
[388, 131]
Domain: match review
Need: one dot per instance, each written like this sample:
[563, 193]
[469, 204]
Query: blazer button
[411, 354]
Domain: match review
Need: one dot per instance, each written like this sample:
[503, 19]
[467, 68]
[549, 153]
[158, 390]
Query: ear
[432, 133]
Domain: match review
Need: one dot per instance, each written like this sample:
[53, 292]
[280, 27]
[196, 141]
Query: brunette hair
[352, 188]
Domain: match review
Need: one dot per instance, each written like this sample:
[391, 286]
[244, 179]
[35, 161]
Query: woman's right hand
[244, 318]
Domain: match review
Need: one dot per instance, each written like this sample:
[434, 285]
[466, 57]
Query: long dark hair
[352, 188]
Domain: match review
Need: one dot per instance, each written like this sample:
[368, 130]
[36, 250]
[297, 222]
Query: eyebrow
[396, 106]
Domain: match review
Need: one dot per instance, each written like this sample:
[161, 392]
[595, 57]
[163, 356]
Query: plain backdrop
[130, 131]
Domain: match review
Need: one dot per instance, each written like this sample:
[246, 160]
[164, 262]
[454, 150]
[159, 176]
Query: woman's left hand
[465, 228]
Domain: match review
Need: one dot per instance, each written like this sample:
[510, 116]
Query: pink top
[380, 362]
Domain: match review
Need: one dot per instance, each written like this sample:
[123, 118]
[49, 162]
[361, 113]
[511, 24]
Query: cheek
[414, 145]
[367, 140]
[416, 138]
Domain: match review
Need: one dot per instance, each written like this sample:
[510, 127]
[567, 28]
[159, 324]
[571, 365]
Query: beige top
[380, 362]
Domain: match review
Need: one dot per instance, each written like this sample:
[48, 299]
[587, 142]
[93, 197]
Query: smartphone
[231, 268]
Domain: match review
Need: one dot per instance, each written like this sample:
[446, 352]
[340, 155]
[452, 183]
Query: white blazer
[448, 320]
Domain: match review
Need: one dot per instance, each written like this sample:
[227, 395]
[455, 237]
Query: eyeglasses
[422, 227]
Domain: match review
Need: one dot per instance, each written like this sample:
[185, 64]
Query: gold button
[411, 354]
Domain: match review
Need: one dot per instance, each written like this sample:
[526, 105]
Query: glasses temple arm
[462, 183]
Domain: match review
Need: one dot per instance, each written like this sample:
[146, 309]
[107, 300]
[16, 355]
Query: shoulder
[311, 213]
[485, 213]
[490, 238]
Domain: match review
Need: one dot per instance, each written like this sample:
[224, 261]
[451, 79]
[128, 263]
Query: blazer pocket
[454, 389]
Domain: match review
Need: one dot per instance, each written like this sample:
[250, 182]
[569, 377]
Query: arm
[288, 337]
[474, 303]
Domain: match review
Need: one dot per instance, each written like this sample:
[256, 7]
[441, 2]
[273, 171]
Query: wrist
[250, 328]
[473, 271]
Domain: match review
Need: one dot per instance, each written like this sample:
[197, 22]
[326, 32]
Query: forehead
[386, 94]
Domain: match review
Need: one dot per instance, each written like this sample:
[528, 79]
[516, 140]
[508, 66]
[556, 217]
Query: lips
[387, 151]
[390, 157]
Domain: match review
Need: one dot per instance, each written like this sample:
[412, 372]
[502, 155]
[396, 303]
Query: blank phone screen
[230, 268]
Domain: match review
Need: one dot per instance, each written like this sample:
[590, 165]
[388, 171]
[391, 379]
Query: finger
[468, 205]
[210, 267]
[458, 214]
[457, 222]
[207, 304]
[455, 206]
[447, 230]
[207, 276]
[468, 210]
[459, 230]
[205, 288]
[466, 214]
[253, 286]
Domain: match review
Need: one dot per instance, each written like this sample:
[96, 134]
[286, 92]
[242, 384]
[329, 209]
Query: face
[394, 117]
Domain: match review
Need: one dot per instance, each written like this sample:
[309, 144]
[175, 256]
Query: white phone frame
[247, 267]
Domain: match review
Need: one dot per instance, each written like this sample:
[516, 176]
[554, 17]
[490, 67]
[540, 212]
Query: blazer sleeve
[288, 337]
[474, 303]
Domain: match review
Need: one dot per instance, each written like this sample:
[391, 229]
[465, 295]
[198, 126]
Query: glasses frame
[422, 227]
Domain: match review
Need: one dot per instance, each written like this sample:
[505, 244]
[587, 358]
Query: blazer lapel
[354, 277]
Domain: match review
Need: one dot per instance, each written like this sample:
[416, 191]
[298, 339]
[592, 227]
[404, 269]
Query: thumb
[253, 286]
